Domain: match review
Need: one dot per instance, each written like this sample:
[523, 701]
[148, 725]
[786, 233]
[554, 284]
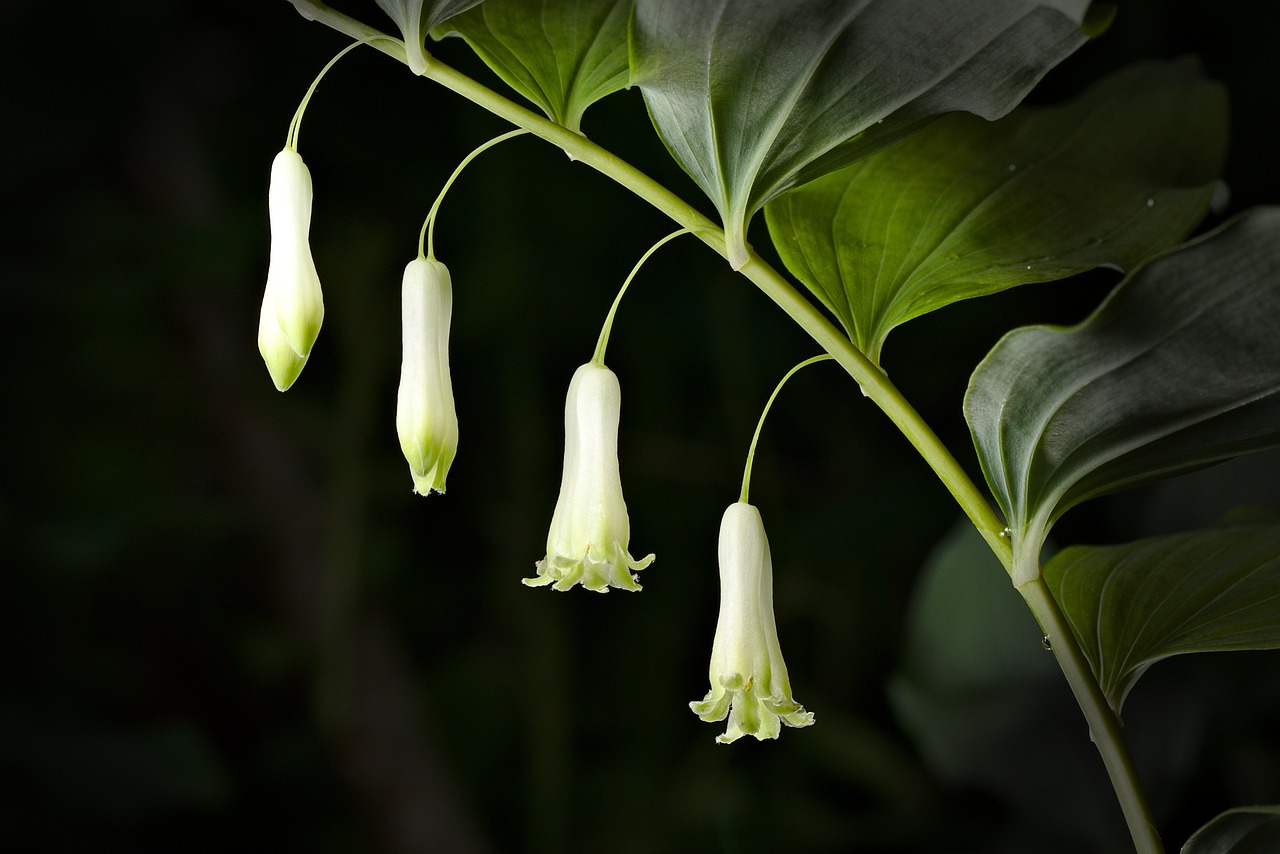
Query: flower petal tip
[595, 573]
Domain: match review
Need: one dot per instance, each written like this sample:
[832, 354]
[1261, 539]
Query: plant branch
[873, 381]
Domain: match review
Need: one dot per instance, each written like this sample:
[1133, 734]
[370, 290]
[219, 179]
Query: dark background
[227, 622]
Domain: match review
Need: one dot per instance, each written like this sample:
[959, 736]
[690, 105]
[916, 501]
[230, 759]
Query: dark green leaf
[1248, 830]
[972, 662]
[563, 55]
[753, 97]
[1132, 605]
[1177, 369]
[968, 207]
[985, 704]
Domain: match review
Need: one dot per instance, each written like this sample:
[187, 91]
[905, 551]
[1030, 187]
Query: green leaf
[968, 207]
[1176, 370]
[1248, 830]
[985, 704]
[753, 97]
[563, 55]
[416, 17]
[973, 666]
[413, 17]
[1132, 605]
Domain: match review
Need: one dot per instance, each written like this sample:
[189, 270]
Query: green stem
[1104, 726]
[295, 126]
[751, 452]
[603, 341]
[875, 385]
[428, 234]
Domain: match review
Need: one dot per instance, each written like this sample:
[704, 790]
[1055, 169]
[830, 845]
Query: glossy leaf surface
[968, 207]
[753, 97]
[1132, 605]
[1248, 830]
[1177, 369]
[563, 55]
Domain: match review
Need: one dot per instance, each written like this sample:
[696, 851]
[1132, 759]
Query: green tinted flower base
[593, 570]
[748, 714]
[427, 478]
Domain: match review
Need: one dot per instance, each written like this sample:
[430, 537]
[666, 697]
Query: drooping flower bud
[292, 304]
[749, 683]
[590, 533]
[425, 417]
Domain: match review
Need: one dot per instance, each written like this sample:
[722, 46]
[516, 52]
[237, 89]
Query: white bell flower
[749, 683]
[590, 533]
[292, 304]
[425, 417]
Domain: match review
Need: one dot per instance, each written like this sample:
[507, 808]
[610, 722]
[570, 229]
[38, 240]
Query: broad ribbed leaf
[1248, 830]
[753, 97]
[563, 55]
[1132, 605]
[968, 207]
[1179, 368]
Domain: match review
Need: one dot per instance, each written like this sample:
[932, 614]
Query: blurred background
[228, 623]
